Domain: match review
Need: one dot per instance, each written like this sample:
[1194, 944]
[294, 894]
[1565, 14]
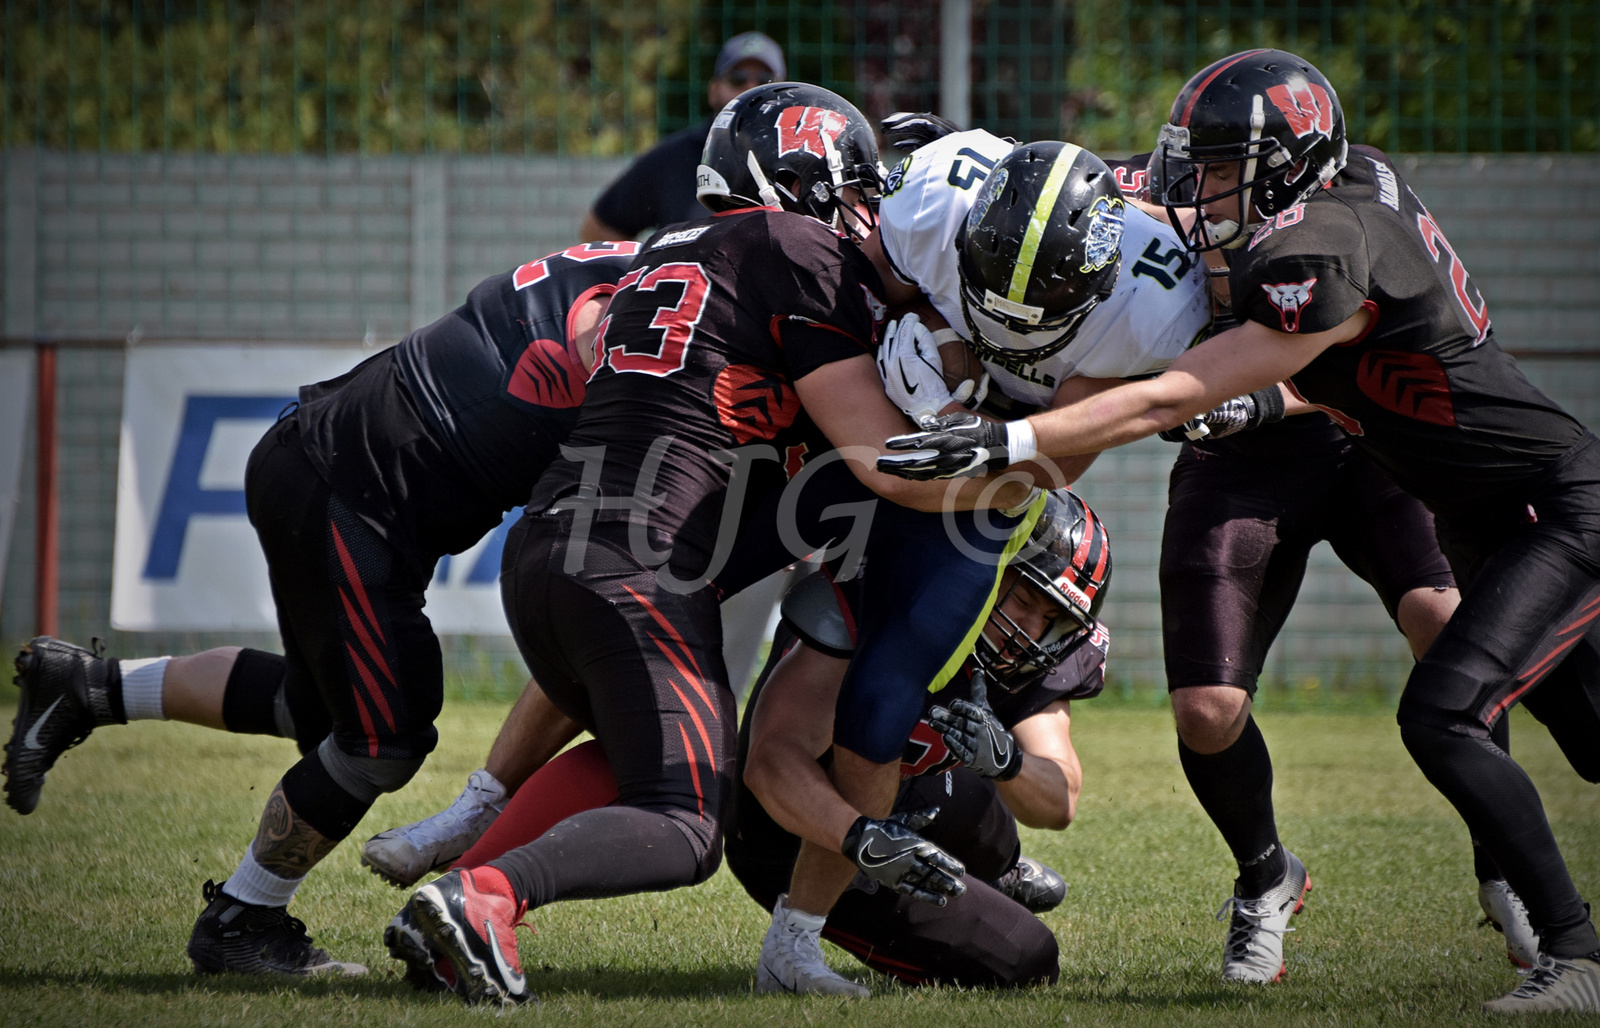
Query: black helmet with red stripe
[1266, 114]
[1068, 559]
[795, 146]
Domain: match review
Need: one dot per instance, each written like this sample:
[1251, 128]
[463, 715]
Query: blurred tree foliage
[340, 76]
[1412, 75]
[603, 77]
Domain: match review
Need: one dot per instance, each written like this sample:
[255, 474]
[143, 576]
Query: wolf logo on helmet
[1305, 105]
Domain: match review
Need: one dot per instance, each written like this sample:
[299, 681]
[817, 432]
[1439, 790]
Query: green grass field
[99, 888]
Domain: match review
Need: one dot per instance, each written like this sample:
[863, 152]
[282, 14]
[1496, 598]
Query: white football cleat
[1253, 951]
[791, 960]
[1555, 983]
[403, 855]
[1503, 909]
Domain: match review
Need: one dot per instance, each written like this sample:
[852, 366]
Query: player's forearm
[1114, 417]
[796, 791]
[1045, 793]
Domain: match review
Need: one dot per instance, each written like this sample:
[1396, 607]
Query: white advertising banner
[16, 386]
[186, 557]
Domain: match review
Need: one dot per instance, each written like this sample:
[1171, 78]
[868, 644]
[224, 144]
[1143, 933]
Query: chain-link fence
[586, 77]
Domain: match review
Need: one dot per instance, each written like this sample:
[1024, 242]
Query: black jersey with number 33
[1426, 390]
[698, 355]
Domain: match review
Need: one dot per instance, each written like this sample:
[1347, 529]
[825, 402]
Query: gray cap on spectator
[747, 46]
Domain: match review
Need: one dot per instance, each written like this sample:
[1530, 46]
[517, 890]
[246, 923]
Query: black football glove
[909, 130]
[976, 736]
[1240, 414]
[890, 852]
[952, 446]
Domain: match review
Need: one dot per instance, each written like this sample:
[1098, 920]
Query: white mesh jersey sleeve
[1159, 309]
[925, 201]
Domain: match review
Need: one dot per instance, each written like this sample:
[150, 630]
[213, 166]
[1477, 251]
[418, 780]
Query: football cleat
[248, 939]
[791, 962]
[470, 918]
[64, 698]
[426, 968]
[1033, 885]
[1554, 984]
[1503, 909]
[1253, 951]
[401, 856]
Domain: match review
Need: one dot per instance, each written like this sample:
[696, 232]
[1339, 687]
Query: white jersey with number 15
[1158, 309]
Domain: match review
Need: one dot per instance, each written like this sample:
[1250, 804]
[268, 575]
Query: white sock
[141, 688]
[798, 921]
[252, 883]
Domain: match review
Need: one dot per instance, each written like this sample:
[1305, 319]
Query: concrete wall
[104, 247]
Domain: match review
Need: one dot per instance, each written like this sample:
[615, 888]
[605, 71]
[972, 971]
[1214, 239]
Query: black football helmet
[1040, 247]
[794, 146]
[1267, 111]
[1068, 559]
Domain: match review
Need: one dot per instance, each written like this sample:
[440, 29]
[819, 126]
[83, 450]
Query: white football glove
[913, 375]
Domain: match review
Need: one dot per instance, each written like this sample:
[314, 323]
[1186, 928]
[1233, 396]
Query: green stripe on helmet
[1037, 221]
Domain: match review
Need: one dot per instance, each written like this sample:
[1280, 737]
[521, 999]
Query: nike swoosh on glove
[976, 736]
[952, 446]
[890, 852]
[1240, 414]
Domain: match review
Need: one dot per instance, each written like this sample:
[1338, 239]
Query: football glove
[957, 446]
[1240, 414]
[913, 374]
[890, 852]
[976, 736]
[909, 130]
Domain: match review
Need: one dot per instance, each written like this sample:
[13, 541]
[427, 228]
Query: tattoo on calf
[286, 845]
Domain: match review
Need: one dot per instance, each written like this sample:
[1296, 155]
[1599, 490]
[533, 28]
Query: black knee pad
[319, 800]
[1040, 963]
[1441, 697]
[252, 700]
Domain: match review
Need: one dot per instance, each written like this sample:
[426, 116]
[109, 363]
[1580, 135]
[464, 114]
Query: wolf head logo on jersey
[1305, 105]
[812, 130]
[1103, 242]
[1290, 298]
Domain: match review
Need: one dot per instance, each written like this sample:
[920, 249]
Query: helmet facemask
[1013, 658]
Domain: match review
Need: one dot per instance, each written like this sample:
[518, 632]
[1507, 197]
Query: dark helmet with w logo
[1267, 112]
[794, 146]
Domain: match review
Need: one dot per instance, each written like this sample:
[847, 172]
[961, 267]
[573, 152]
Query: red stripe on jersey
[365, 639]
[373, 688]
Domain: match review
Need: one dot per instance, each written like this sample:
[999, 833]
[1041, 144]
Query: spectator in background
[658, 188]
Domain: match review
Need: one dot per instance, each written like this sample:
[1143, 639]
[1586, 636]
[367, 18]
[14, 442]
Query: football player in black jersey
[356, 495]
[729, 345]
[992, 748]
[1351, 295]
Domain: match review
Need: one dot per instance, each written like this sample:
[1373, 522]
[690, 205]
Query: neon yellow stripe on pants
[1019, 537]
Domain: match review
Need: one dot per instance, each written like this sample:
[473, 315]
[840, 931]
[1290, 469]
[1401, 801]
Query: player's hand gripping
[976, 736]
[913, 374]
[1240, 414]
[909, 130]
[956, 446]
[890, 852]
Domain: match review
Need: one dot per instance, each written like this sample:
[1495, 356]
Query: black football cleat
[427, 969]
[244, 938]
[1033, 885]
[64, 698]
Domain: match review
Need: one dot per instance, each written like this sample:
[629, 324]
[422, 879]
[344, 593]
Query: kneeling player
[992, 748]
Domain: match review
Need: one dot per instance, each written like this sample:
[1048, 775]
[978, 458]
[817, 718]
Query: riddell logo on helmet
[1307, 109]
[801, 130]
